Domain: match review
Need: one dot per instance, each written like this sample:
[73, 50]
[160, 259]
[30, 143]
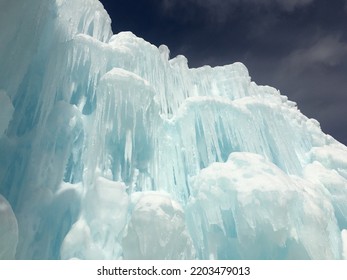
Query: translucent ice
[344, 239]
[248, 208]
[8, 231]
[6, 112]
[109, 149]
[157, 229]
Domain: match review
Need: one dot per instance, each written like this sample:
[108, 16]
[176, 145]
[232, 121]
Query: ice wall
[109, 149]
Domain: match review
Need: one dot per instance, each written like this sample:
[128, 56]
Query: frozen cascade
[109, 149]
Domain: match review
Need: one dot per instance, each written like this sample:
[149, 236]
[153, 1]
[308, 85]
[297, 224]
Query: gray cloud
[290, 5]
[327, 51]
[314, 76]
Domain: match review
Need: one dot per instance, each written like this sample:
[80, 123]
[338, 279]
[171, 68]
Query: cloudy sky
[297, 46]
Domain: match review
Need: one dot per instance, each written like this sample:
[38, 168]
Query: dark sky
[297, 46]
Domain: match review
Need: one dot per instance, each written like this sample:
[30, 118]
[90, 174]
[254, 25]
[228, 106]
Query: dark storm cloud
[220, 8]
[297, 46]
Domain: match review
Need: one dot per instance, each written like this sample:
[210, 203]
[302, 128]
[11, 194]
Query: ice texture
[109, 149]
[157, 229]
[8, 231]
[6, 112]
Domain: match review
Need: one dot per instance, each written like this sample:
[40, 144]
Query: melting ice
[109, 149]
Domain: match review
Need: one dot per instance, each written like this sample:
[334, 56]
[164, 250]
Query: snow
[110, 149]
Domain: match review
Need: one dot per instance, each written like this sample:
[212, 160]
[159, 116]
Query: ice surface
[8, 231]
[344, 239]
[248, 208]
[109, 149]
[6, 112]
[157, 229]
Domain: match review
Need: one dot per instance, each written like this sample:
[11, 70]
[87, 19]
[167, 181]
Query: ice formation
[109, 149]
